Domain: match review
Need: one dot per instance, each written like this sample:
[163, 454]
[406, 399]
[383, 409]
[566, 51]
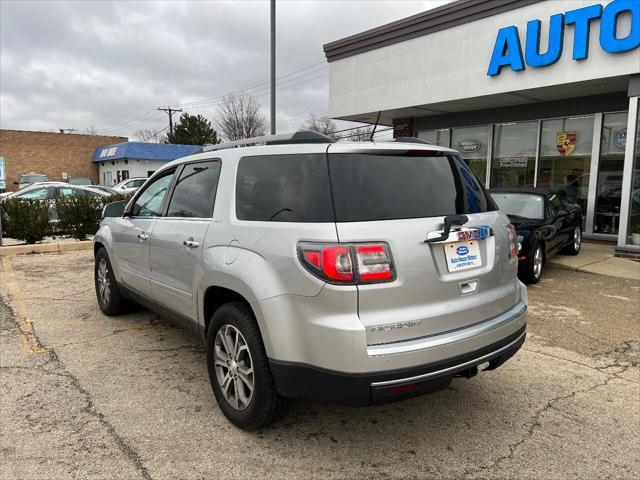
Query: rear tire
[533, 268]
[110, 300]
[576, 242]
[238, 364]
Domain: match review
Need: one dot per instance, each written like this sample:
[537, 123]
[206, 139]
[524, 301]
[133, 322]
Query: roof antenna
[375, 126]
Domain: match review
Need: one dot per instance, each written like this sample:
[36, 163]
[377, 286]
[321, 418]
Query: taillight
[348, 263]
[513, 241]
[374, 263]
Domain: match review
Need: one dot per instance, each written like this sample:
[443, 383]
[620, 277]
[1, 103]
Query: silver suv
[354, 273]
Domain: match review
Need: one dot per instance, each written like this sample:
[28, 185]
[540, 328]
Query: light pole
[273, 67]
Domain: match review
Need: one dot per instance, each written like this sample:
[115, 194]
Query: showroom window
[436, 137]
[565, 157]
[514, 154]
[473, 145]
[609, 187]
[634, 207]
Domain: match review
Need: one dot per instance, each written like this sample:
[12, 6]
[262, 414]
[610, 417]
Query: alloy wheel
[104, 284]
[577, 238]
[537, 262]
[234, 367]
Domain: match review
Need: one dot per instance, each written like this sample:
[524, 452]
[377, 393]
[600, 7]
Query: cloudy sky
[108, 65]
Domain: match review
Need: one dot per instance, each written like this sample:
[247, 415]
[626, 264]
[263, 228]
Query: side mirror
[114, 209]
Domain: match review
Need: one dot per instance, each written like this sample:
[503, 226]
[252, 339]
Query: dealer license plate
[462, 255]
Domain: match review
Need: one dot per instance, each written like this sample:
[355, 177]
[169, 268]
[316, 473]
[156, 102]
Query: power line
[148, 114]
[170, 111]
[263, 85]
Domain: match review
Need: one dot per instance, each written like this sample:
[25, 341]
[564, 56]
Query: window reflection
[609, 189]
[634, 210]
[514, 154]
[565, 158]
[472, 143]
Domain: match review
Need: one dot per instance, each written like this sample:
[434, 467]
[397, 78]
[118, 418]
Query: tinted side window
[36, 194]
[195, 190]
[284, 188]
[555, 205]
[396, 186]
[149, 203]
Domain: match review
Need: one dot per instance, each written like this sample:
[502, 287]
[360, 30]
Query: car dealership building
[531, 92]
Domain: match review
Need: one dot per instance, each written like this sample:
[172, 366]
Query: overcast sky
[108, 65]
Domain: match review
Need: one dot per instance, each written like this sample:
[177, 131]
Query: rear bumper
[297, 380]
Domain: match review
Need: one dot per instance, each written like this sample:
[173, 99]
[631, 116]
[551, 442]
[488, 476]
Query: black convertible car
[545, 223]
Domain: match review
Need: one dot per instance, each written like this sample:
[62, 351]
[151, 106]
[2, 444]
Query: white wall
[136, 168]
[452, 64]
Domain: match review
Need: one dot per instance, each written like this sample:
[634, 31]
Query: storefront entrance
[582, 157]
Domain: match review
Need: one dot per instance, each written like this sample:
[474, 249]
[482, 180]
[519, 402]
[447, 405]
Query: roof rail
[305, 136]
[410, 140]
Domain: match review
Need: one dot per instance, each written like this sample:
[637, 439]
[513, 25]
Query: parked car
[29, 179]
[80, 181]
[53, 190]
[354, 273]
[545, 223]
[129, 185]
[108, 190]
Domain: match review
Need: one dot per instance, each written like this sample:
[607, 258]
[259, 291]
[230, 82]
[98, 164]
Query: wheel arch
[215, 296]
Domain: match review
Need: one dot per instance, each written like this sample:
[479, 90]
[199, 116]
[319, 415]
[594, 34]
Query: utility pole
[170, 111]
[273, 67]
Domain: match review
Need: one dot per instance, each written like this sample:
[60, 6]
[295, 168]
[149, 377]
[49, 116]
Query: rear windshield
[284, 188]
[33, 178]
[386, 187]
[520, 204]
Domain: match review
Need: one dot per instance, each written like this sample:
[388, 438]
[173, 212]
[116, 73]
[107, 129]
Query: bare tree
[147, 135]
[322, 124]
[91, 130]
[359, 134]
[239, 116]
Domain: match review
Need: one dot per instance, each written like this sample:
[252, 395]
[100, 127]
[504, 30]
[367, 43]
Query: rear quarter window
[283, 188]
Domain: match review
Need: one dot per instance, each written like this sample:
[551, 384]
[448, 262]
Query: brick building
[51, 154]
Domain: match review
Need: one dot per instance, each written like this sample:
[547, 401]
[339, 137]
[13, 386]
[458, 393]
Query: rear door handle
[143, 236]
[190, 243]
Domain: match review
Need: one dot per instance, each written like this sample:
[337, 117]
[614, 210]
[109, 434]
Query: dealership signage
[108, 152]
[469, 145]
[507, 51]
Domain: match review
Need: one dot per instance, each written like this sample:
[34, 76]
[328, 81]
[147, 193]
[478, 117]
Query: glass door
[609, 188]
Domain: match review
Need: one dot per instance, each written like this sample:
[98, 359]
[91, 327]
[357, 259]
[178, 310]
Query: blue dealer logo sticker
[461, 251]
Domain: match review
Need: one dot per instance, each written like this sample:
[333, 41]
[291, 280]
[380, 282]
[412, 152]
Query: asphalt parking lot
[87, 396]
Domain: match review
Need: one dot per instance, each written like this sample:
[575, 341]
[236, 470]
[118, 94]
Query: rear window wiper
[279, 212]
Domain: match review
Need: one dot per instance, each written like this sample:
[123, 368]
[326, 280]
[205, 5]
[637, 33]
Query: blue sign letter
[556, 35]
[582, 19]
[506, 51]
[608, 27]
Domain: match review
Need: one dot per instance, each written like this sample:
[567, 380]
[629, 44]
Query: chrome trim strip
[455, 367]
[443, 338]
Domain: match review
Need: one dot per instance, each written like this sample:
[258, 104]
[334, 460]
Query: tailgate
[427, 298]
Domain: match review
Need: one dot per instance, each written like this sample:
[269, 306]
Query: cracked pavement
[87, 396]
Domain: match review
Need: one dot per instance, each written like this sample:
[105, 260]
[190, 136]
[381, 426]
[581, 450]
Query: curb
[56, 247]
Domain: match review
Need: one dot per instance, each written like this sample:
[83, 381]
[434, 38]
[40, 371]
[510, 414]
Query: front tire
[533, 268]
[576, 242]
[239, 369]
[110, 300]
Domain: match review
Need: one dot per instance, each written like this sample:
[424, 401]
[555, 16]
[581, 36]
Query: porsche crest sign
[566, 143]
